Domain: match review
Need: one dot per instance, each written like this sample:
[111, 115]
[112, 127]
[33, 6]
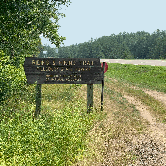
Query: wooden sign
[63, 70]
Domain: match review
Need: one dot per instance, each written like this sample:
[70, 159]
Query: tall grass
[55, 138]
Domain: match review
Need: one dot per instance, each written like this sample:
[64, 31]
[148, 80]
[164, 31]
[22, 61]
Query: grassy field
[148, 77]
[65, 134]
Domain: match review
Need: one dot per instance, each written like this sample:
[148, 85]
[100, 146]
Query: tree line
[139, 45]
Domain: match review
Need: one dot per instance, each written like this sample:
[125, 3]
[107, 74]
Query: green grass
[152, 77]
[148, 77]
[55, 138]
[58, 136]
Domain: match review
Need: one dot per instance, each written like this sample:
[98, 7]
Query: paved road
[136, 62]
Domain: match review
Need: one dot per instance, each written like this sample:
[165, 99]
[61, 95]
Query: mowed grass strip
[148, 77]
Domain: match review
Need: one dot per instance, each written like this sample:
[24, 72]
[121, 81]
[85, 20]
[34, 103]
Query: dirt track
[136, 62]
[150, 147]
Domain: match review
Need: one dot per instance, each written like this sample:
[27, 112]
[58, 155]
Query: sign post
[38, 100]
[64, 71]
[102, 90]
[89, 97]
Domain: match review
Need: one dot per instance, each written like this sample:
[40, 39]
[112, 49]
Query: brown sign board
[63, 70]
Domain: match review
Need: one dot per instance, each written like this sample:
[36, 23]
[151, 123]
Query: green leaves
[139, 45]
[22, 22]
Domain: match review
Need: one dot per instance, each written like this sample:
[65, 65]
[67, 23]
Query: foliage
[56, 138]
[41, 142]
[22, 23]
[140, 45]
[12, 78]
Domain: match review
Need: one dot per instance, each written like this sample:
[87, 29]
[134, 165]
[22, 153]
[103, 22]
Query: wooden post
[38, 100]
[102, 88]
[89, 97]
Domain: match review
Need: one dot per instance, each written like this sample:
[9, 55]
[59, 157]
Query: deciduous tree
[21, 24]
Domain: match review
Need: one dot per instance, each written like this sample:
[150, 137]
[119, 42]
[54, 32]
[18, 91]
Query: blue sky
[96, 18]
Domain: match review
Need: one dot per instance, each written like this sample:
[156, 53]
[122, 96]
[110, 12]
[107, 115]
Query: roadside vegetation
[55, 138]
[64, 134]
